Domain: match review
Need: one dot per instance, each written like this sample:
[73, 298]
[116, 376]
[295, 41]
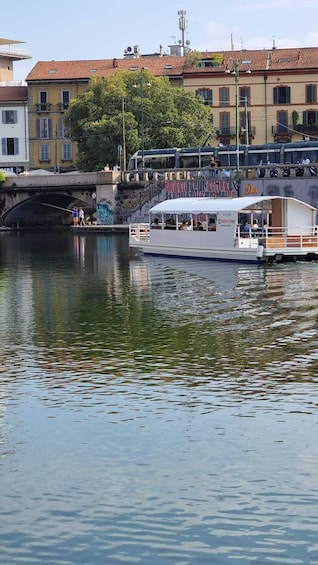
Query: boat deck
[275, 243]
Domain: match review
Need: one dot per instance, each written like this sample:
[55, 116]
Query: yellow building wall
[263, 112]
[53, 111]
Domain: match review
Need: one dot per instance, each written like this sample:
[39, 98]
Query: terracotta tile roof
[13, 93]
[84, 70]
[261, 60]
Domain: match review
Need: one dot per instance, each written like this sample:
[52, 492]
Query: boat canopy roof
[214, 205]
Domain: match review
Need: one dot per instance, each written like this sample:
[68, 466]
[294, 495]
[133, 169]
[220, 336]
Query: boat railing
[139, 232]
[280, 238]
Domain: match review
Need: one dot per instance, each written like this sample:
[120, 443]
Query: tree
[171, 117]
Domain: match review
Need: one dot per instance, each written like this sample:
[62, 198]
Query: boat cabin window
[211, 219]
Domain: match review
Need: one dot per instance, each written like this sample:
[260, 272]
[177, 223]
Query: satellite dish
[129, 49]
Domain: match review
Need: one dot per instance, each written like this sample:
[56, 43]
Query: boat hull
[246, 256]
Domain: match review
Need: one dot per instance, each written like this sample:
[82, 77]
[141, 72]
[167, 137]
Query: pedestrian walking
[81, 217]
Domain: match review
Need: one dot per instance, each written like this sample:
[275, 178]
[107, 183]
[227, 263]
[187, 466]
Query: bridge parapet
[256, 172]
[62, 180]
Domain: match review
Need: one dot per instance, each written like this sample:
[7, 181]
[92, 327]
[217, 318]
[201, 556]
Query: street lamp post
[123, 134]
[142, 120]
[236, 74]
[142, 123]
[246, 121]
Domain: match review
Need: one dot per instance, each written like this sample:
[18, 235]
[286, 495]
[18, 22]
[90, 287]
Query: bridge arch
[48, 209]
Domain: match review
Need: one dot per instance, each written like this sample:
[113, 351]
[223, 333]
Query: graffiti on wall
[200, 187]
[104, 213]
[302, 189]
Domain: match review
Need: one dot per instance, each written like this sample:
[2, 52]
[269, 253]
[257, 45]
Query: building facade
[14, 153]
[14, 132]
[260, 97]
[51, 87]
[255, 96]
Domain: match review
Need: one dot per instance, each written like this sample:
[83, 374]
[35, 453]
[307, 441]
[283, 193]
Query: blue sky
[79, 29]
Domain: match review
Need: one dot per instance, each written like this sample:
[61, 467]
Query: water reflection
[155, 410]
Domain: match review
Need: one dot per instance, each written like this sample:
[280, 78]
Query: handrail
[223, 173]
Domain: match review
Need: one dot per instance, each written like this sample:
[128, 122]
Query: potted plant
[295, 117]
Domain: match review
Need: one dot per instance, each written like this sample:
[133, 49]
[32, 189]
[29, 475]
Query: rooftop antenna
[232, 42]
[182, 25]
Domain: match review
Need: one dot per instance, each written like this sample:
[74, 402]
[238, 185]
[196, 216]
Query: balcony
[282, 133]
[226, 132]
[62, 106]
[307, 129]
[230, 132]
[44, 107]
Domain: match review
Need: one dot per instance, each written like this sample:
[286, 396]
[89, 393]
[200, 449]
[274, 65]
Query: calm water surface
[155, 411]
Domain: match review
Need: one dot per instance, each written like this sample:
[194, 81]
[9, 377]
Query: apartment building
[261, 96]
[14, 127]
[14, 149]
[255, 96]
[51, 87]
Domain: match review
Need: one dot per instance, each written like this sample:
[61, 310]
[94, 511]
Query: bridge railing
[217, 173]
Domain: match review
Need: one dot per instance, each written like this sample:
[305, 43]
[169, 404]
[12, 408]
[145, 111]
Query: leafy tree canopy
[97, 117]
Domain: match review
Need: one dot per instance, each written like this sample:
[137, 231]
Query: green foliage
[3, 176]
[193, 59]
[172, 117]
[295, 118]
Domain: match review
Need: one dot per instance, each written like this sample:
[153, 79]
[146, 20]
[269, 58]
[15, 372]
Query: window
[282, 122]
[61, 129]
[281, 94]
[44, 152]
[67, 152]
[206, 94]
[65, 99]
[245, 122]
[10, 146]
[43, 101]
[310, 118]
[225, 123]
[9, 116]
[245, 95]
[44, 128]
[224, 96]
[311, 93]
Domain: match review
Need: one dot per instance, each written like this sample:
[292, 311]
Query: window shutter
[288, 95]
[275, 93]
[3, 116]
[4, 146]
[305, 118]
[38, 128]
[50, 128]
[16, 145]
[15, 116]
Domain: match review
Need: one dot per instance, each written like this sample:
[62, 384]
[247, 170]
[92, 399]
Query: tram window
[159, 162]
[189, 162]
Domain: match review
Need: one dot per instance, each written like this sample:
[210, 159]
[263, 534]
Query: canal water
[155, 411]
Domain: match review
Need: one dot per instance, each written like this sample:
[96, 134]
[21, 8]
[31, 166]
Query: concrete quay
[94, 228]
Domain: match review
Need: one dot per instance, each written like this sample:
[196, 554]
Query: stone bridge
[113, 197]
[44, 200]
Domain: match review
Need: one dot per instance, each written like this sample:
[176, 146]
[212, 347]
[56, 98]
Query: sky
[78, 29]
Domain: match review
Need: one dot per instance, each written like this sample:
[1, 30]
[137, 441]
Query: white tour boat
[248, 229]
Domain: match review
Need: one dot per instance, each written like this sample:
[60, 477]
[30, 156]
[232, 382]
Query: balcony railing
[307, 128]
[231, 131]
[43, 107]
[62, 106]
